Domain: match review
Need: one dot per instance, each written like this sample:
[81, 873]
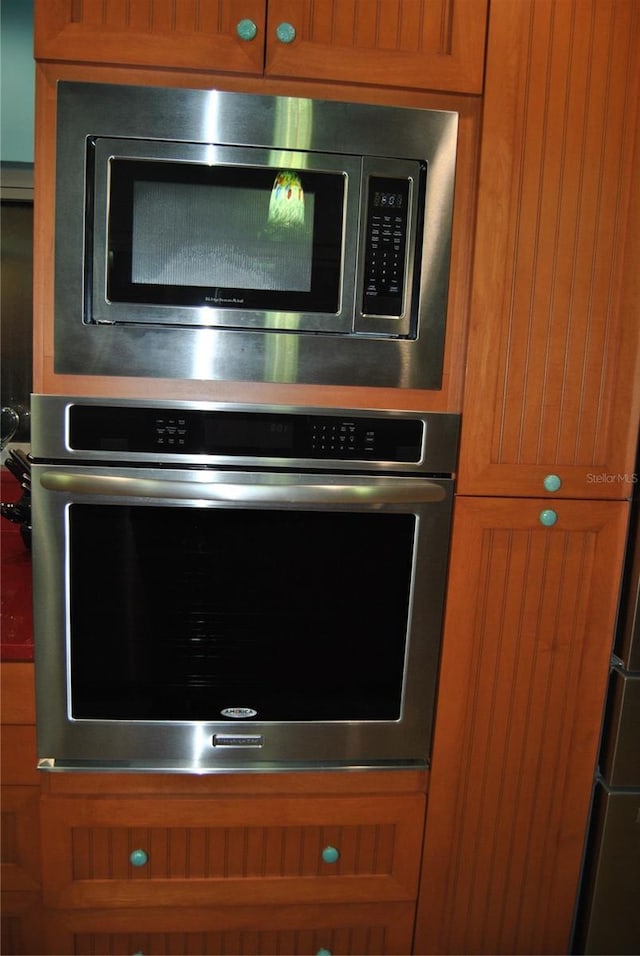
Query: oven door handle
[365, 491]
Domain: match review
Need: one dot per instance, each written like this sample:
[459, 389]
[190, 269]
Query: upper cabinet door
[421, 44]
[209, 35]
[552, 371]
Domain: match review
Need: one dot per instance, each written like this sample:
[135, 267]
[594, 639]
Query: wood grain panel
[221, 849]
[425, 44]
[526, 652]
[20, 858]
[185, 34]
[358, 929]
[553, 346]
[102, 853]
[21, 924]
[17, 693]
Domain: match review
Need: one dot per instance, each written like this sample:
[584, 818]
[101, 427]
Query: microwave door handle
[366, 492]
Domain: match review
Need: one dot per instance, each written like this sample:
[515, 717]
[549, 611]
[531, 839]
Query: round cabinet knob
[552, 483]
[286, 32]
[323, 952]
[246, 29]
[138, 858]
[548, 517]
[330, 854]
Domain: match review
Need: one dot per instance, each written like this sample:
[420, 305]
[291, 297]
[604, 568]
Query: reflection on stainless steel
[10, 424]
[280, 556]
[349, 347]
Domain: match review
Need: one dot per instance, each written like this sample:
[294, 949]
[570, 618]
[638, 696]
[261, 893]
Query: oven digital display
[240, 433]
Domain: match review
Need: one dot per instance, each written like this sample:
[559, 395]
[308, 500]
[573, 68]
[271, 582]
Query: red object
[16, 612]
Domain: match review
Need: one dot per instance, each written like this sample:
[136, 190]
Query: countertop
[16, 613]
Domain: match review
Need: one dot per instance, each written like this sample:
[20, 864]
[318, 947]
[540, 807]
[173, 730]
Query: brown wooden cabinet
[226, 864]
[527, 643]
[552, 390]
[362, 929]
[20, 793]
[210, 849]
[550, 413]
[552, 384]
[424, 44]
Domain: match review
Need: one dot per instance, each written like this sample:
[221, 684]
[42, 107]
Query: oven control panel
[244, 434]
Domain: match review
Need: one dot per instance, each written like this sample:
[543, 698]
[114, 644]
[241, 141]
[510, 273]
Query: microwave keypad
[385, 250]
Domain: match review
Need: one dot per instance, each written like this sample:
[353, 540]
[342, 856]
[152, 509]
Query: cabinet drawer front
[360, 929]
[200, 851]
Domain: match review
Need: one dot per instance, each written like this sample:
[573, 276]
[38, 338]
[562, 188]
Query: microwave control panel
[385, 246]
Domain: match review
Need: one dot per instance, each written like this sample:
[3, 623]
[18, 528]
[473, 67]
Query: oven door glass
[198, 613]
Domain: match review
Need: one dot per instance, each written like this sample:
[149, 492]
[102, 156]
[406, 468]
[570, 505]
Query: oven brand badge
[238, 713]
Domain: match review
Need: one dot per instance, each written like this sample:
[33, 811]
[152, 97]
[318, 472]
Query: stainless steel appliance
[236, 587]
[608, 915]
[210, 235]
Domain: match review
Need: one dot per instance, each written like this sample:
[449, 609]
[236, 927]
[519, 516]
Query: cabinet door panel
[524, 671]
[179, 34]
[552, 382]
[425, 44]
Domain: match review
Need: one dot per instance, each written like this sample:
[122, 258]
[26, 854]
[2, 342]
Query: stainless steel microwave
[210, 235]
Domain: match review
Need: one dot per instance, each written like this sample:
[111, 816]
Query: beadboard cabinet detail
[552, 384]
[181, 851]
[20, 874]
[361, 929]
[525, 665]
[426, 44]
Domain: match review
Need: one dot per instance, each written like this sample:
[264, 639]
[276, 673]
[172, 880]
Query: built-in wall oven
[224, 587]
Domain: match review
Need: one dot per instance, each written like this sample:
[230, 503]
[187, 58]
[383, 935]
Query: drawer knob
[246, 29]
[323, 952]
[138, 858]
[552, 482]
[548, 517]
[286, 32]
[330, 854]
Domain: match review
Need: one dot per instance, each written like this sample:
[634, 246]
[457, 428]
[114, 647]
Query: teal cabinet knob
[286, 32]
[246, 29]
[323, 952]
[552, 483]
[330, 854]
[548, 517]
[138, 858]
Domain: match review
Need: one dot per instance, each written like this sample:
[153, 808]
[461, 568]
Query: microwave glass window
[178, 613]
[196, 235]
[239, 237]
